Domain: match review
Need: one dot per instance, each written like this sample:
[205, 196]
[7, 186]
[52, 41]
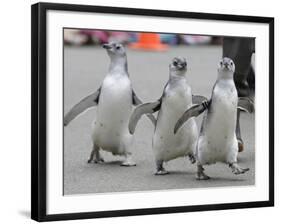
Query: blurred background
[95, 37]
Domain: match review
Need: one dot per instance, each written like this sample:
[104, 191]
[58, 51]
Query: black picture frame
[39, 108]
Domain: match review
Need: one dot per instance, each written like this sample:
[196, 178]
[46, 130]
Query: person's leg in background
[240, 50]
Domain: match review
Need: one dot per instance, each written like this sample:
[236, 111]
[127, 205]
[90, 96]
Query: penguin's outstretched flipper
[193, 111]
[136, 102]
[84, 104]
[197, 99]
[147, 108]
[246, 104]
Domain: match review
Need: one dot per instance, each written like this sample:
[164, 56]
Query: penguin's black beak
[106, 46]
[225, 64]
[182, 66]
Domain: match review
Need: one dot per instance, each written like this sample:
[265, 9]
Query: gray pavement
[84, 70]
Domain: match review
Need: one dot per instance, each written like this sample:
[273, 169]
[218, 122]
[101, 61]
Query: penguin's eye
[118, 47]
[175, 63]
[220, 62]
[231, 63]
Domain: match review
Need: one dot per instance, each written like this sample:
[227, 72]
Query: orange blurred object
[149, 41]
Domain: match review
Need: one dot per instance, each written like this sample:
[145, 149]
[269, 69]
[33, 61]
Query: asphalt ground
[84, 70]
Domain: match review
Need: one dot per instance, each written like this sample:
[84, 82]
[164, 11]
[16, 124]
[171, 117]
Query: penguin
[217, 140]
[176, 98]
[114, 100]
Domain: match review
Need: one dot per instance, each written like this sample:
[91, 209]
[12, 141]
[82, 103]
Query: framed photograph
[204, 83]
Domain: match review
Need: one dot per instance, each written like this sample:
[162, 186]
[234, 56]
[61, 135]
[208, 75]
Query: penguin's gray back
[217, 136]
[176, 99]
[113, 112]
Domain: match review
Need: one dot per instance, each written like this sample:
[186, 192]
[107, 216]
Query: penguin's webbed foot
[161, 172]
[96, 160]
[96, 157]
[237, 169]
[129, 161]
[126, 163]
[192, 158]
[99, 160]
[200, 175]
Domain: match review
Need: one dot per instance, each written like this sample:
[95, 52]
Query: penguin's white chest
[218, 142]
[166, 144]
[113, 112]
[223, 111]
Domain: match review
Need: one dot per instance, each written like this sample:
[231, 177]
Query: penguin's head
[178, 66]
[226, 65]
[115, 49]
